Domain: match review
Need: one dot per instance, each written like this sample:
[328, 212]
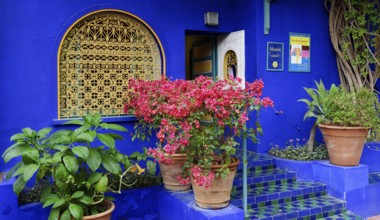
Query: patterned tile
[274, 194]
[374, 178]
[345, 216]
[318, 207]
[280, 193]
[254, 159]
[263, 176]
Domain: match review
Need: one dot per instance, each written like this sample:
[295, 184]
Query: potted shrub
[201, 118]
[345, 119]
[75, 167]
[163, 107]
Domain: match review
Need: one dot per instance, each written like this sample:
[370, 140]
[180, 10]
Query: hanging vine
[355, 36]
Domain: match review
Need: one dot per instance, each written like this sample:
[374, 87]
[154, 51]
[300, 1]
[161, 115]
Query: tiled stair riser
[275, 194]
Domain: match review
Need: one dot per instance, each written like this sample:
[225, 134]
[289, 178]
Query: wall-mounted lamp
[211, 19]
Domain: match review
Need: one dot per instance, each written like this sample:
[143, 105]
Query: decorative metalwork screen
[97, 57]
[230, 64]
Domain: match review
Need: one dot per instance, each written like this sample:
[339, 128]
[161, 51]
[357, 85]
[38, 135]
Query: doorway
[218, 56]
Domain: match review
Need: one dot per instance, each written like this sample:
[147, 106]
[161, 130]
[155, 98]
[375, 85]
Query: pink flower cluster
[200, 179]
[174, 110]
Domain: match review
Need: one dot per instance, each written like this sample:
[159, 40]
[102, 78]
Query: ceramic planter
[344, 144]
[170, 172]
[106, 215]
[216, 196]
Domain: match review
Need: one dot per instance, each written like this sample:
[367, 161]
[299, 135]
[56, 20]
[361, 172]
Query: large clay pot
[218, 195]
[344, 144]
[170, 172]
[106, 215]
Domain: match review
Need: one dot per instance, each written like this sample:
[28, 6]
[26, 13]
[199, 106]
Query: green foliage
[74, 166]
[344, 108]
[298, 151]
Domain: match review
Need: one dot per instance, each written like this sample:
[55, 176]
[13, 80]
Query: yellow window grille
[97, 57]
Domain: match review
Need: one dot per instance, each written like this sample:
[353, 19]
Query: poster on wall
[299, 52]
[275, 56]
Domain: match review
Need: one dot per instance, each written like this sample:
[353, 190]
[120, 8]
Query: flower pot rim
[111, 207]
[332, 126]
[233, 164]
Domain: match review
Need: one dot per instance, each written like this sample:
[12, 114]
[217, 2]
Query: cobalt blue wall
[285, 87]
[32, 30]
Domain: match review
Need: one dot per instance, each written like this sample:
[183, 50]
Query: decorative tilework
[345, 216]
[274, 194]
[300, 208]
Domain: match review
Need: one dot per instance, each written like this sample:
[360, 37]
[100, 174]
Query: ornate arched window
[230, 64]
[98, 55]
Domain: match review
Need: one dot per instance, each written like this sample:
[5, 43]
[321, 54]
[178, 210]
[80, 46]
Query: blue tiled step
[281, 193]
[374, 178]
[312, 208]
[255, 160]
[344, 216]
[258, 168]
[265, 177]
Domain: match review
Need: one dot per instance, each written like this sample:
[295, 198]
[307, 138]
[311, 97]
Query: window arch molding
[94, 62]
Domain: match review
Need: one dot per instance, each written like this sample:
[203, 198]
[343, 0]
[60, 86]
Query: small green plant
[298, 150]
[76, 167]
[338, 106]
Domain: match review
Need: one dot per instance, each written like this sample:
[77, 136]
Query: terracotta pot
[216, 196]
[104, 215]
[170, 172]
[344, 144]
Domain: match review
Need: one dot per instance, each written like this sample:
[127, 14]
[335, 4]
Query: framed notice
[275, 56]
[299, 52]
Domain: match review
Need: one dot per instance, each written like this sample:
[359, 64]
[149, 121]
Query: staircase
[276, 194]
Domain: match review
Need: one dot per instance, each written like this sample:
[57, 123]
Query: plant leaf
[115, 127]
[81, 151]
[76, 211]
[87, 200]
[28, 132]
[31, 153]
[81, 129]
[54, 214]
[84, 137]
[15, 152]
[116, 136]
[101, 185]
[71, 163]
[107, 140]
[59, 203]
[65, 215]
[43, 132]
[93, 160]
[77, 194]
[29, 171]
[18, 136]
[94, 177]
[19, 185]
[74, 122]
[110, 164]
[151, 166]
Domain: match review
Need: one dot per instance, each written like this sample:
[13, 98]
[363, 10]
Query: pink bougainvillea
[175, 111]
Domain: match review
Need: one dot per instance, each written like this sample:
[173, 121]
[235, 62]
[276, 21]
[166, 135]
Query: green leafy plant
[298, 150]
[316, 107]
[354, 31]
[338, 106]
[76, 167]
